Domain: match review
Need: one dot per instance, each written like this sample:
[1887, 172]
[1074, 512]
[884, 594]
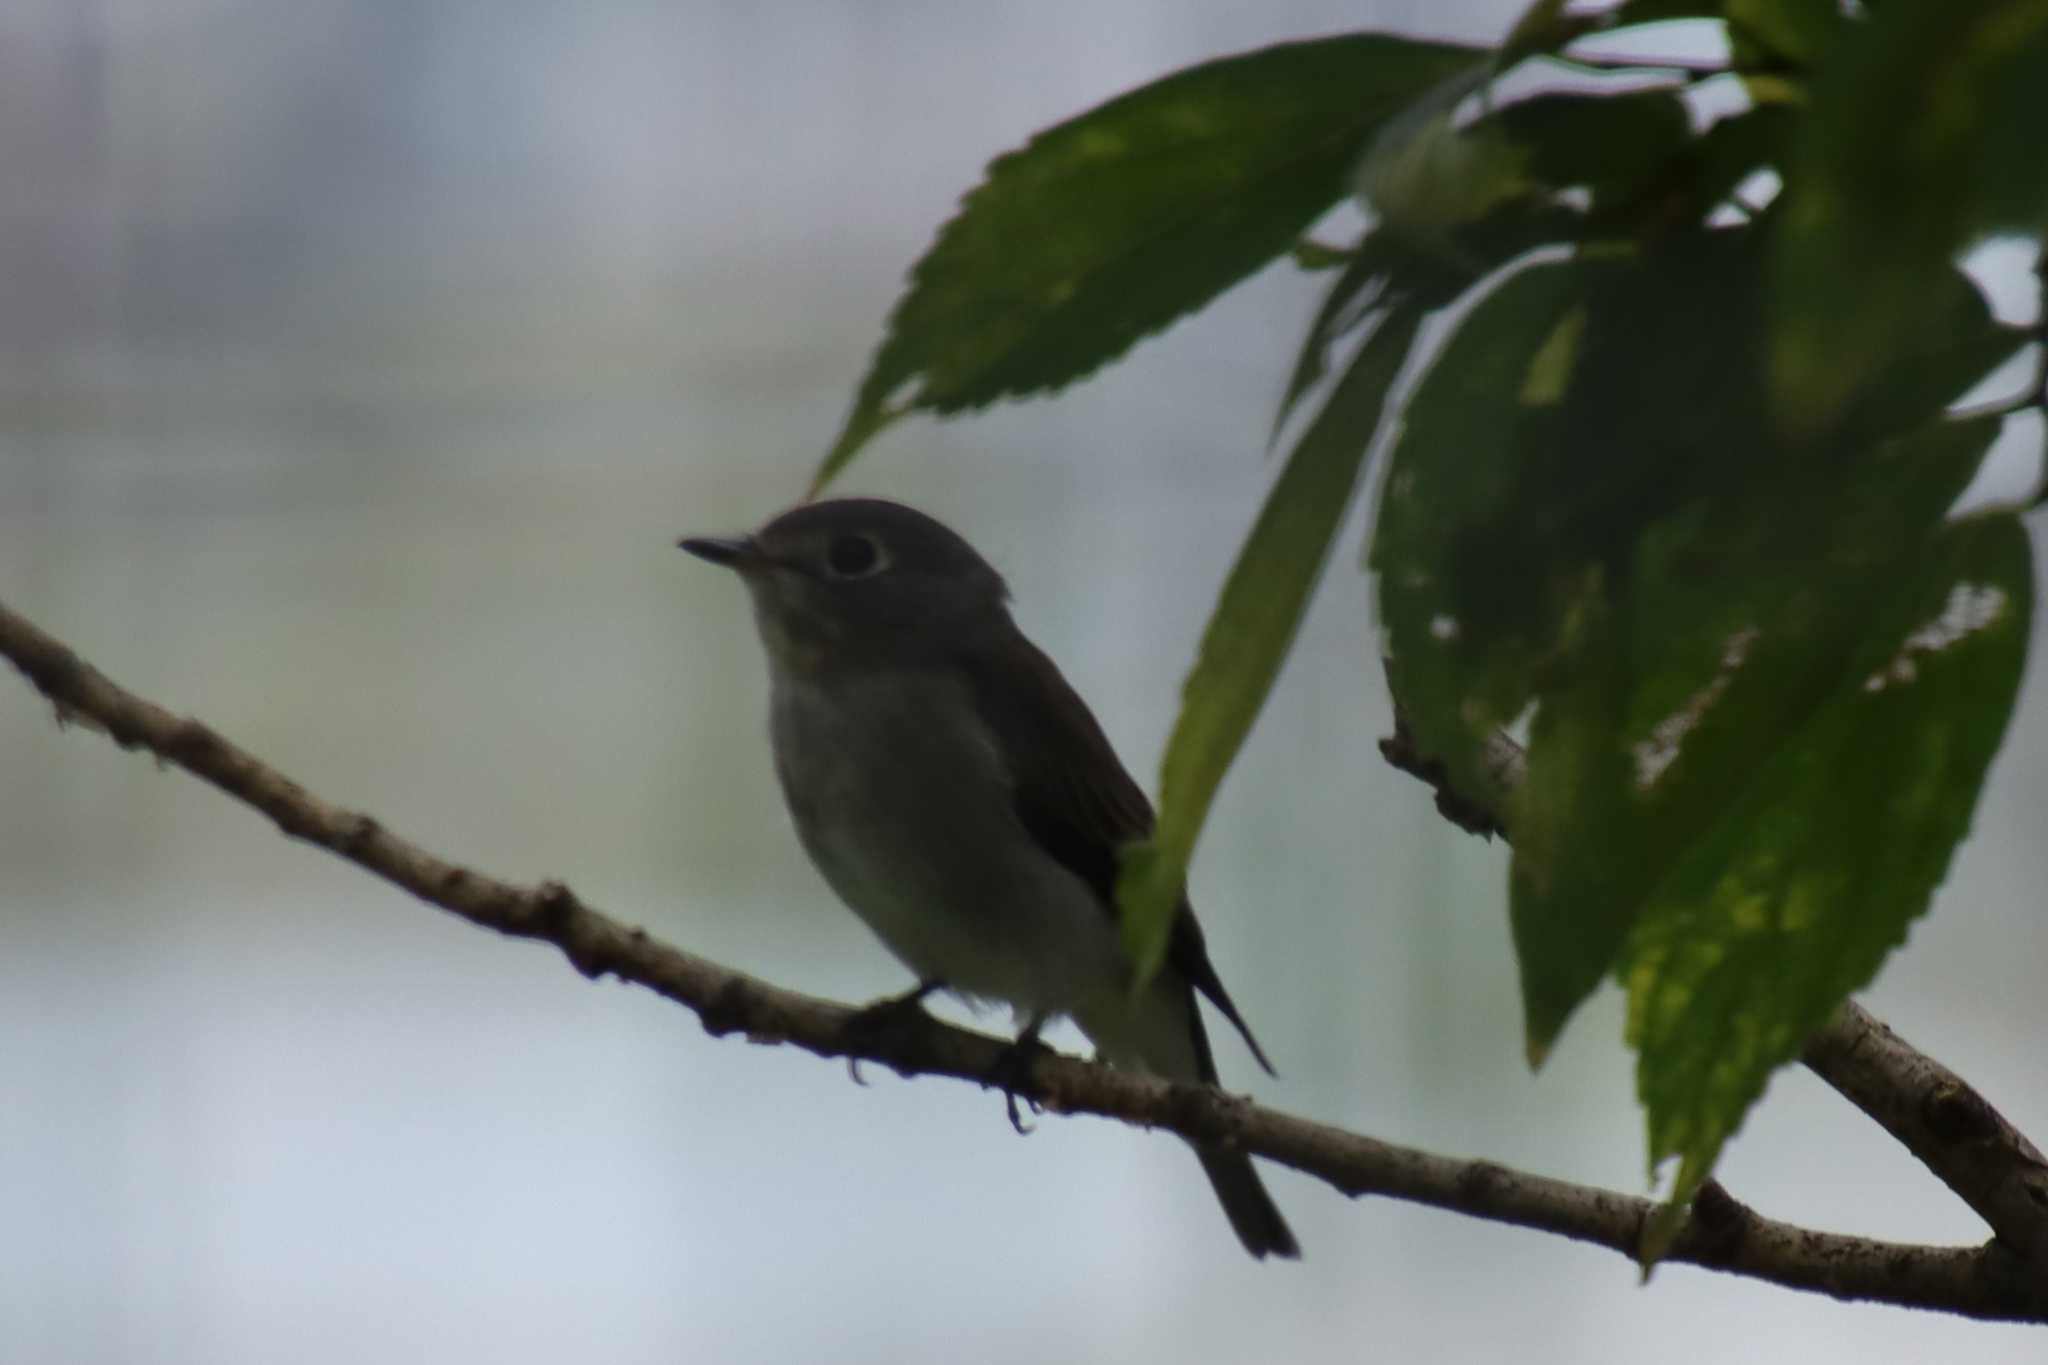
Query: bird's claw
[1010, 1107]
[1012, 1074]
[886, 1021]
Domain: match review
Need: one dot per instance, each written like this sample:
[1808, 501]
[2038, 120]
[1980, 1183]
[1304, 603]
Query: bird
[958, 795]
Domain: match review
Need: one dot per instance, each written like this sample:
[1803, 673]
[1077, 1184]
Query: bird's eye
[854, 557]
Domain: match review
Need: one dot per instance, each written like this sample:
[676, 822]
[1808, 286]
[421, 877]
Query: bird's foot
[1012, 1072]
[883, 1023]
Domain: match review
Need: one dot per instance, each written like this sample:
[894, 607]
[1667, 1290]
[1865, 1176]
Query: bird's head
[861, 581]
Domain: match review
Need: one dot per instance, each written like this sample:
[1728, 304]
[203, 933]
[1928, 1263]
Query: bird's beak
[733, 552]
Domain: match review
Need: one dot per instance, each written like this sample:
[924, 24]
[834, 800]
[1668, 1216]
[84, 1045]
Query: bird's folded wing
[1074, 795]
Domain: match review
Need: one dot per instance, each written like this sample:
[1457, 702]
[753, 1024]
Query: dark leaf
[1109, 226]
[1607, 143]
[1778, 911]
[1543, 27]
[1591, 425]
[1448, 535]
[1537, 446]
[1423, 174]
[1634, 12]
[1731, 150]
[1883, 190]
[1346, 305]
[1693, 670]
[1310, 255]
[1778, 32]
[1433, 272]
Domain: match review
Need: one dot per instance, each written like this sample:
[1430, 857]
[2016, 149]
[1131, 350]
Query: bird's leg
[1012, 1071]
[885, 1020]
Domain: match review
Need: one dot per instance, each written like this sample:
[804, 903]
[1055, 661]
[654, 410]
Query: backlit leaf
[1778, 911]
[1731, 625]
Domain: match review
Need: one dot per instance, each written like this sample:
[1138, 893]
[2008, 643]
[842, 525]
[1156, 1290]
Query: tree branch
[1941, 1119]
[1981, 1282]
[1954, 1131]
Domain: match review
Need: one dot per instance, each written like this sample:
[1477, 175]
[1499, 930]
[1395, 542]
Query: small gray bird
[958, 795]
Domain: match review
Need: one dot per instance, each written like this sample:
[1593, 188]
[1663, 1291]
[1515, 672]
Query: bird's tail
[1164, 1035]
[1251, 1210]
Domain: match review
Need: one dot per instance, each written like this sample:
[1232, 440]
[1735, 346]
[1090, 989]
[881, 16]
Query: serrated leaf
[1725, 632]
[1789, 903]
[1883, 191]
[1253, 626]
[1109, 226]
[1561, 454]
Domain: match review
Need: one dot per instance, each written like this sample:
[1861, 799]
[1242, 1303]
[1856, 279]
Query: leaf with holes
[1692, 670]
[1558, 467]
[1791, 901]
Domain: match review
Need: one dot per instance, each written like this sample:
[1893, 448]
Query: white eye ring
[854, 556]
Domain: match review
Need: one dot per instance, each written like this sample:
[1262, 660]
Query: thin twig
[1954, 1131]
[1980, 1282]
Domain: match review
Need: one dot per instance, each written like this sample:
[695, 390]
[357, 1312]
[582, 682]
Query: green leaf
[1883, 191]
[1607, 143]
[1554, 462]
[1536, 447]
[1781, 31]
[1347, 306]
[1634, 13]
[1693, 668]
[1310, 256]
[1732, 149]
[1464, 615]
[1423, 174]
[1619, 146]
[1253, 627]
[1633, 152]
[1109, 226]
[1543, 27]
[1432, 272]
[1791, 901]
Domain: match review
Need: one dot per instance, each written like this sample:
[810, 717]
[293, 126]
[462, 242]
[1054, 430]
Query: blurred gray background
[362, 362]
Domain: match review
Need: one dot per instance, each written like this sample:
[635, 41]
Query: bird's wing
[1076, 799]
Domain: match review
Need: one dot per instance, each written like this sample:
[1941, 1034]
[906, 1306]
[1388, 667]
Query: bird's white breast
[902, 799]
